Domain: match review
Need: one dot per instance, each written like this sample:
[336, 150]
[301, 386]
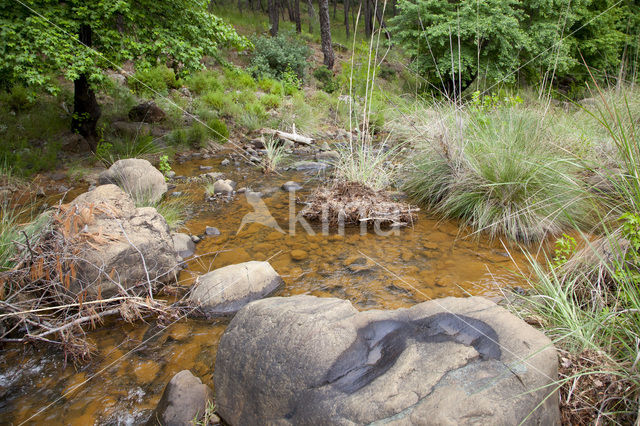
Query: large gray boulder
[184, 399]
[307, 360]
[183, 244]
[138, 178]
[226, 290]
[120, 246]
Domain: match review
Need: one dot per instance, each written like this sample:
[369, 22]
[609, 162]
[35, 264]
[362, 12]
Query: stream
[133, 362]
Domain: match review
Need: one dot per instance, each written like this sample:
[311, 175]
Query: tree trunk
[367, 19]
[296, 15]
[86, 110]
[346, 16]
[311, 15]
[335, 7]
[273, 17]
[325, 33]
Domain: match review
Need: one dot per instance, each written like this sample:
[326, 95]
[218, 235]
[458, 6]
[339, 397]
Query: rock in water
[183, 244]
[147, 112]
[211, 231]
[309, 360]
[184, 399]
[123, 236]
[226, 290]
[138, 178]
[291, 186]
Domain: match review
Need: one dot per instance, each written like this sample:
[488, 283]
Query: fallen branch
[303, 140]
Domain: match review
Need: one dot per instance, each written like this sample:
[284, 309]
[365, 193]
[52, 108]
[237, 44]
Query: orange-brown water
[133, 362]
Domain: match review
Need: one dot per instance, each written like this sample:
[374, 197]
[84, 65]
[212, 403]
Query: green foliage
[325, 76]
[18, 99]
[154, 80]
[272, 86]
[239, 79]
[116, 148]
[564, 249]
[271, 101]
[203, 82]
[276, 154]
[33, 45]
[291, 81]
[164, 166]
[273, 56]
[452, 43]
[215, 99]
[218, 130]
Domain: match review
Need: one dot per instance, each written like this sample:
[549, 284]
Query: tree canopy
[42, 37]
[451, 43]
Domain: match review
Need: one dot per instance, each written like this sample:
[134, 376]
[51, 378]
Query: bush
[270, 101]
[218, 130]
[18, 99]
[194, 136]
[502, 176]
[325, 76]
[204, 81]
[215, 99]
[154, 80]
[239, 79]
[274, 55]
[272, 86]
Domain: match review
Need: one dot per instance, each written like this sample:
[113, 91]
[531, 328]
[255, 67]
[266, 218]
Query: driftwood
[293, 137]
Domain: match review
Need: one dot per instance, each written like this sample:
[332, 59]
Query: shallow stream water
[133, 362]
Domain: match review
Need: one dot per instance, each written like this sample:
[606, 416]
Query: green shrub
[272, 86]
[197, 135]
[257, 109]
[108, 152]
[154, 80]
[271, 101]
[272, 57]
[18, 99]
[218, 130]
[204, 81]
[239, 79]
[325, 76]
[214, 99]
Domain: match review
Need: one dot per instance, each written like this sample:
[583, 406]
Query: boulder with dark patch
[124, 246]
[147, 112]
[226, 290]
[138, 178]
[184, 399]
[308, 360]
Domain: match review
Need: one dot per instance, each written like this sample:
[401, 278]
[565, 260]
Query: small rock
[226, 290]
[242, 190]
[205, 167]
[329, 156]
[225, 162]
[176, 194]
[184, 399]
[184, 245]
[254, 159]
[324, 146]
[195, 239]
[223, 187]
[211, 231]
[299, 254]
[171, 174]
[258, 143]
[309, 166]
[291, 186]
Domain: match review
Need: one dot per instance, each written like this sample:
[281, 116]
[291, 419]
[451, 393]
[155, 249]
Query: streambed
[133, 362]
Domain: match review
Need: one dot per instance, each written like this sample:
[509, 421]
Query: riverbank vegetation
[531, 138]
